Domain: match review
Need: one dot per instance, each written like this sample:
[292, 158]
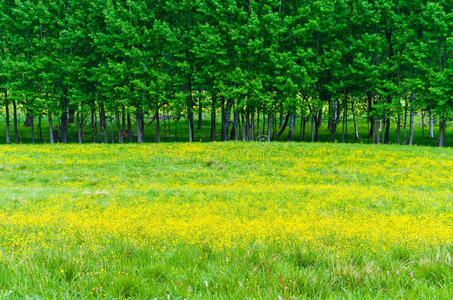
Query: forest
[258, 70]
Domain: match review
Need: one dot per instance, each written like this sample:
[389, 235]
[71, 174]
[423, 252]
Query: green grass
[226, 220]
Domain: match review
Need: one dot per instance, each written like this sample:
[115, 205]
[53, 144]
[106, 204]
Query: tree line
[257, 66]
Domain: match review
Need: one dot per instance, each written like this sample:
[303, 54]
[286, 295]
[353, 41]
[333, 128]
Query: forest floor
[226, 220]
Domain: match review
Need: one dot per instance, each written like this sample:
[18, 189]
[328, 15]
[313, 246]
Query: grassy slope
[203, 135]
[228, 220]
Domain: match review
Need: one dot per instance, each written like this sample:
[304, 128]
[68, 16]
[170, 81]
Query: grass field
[226, 220]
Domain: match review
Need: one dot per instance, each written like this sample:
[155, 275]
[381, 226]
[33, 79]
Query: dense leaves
[120, 65]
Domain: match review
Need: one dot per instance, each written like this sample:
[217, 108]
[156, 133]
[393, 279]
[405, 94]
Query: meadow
[226, 220]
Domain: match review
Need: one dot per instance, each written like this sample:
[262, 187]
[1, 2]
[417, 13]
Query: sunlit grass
[226, 220]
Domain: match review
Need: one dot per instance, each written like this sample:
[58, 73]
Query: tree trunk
[356, 129]
[370, 117]
[405, 121]
[258, 124]
[398, 126]
[378, 130]
[283, 127]
[28, 119]
[318, 122]
[226, 119]
[157, 124]
[442, 127]
[244, 128]
[291, 127]
[93, 126]
[64, 119]
[431, 124]
[138, 120]
[32, 130]
[8, 140]
[190, 111]
[264, 123]
[200, 113]
[118, 125]
[252, 125]
[269, 121]
[50, 128]
[129, 127]
[103, 123]
[123, 121]
[411, 125]
[423, 128]
[387, 130]
[40, 128]
[312, 128]
[79, 130]
[345, 122]
[16, 135]
[112, 135]
[213, 119]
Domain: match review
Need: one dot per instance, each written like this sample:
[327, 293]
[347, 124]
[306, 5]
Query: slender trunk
[200, 113]
[50, 128]
[16, 135]
[129, 127]
[264, 123]
[82, 125]
[312, 128]
[423, 128]
[281, 118]
[405, 122]
[93, 126]
[378, 130]
[236, 126]
[345, 123]
[318, 121]
[411, 124]
[258, 124]
[269, 121]
[79, 131]
[40, 128]
[213, 117]
[431, 124]
[252, 124]
[138, 121]
[157, 124]
[190, 111]
[370, 117]
[112, 135]
[64, 119]
[398, 126]
[303, 129]
[442, 127]
[103, 123]
[387, 130]
[291, 127]
[382, 129]
[118, 125]
[226, 119]
[244, 128]
[8, 140]
[283, 127]
[123, 122]
[32, 130]
[356, 129]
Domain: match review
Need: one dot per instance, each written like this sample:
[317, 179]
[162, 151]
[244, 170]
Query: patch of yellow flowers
[332, 198]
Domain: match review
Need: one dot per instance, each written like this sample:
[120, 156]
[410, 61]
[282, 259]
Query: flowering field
[226, 220]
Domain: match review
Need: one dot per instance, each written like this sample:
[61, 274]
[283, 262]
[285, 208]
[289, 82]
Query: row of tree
[99, 62]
